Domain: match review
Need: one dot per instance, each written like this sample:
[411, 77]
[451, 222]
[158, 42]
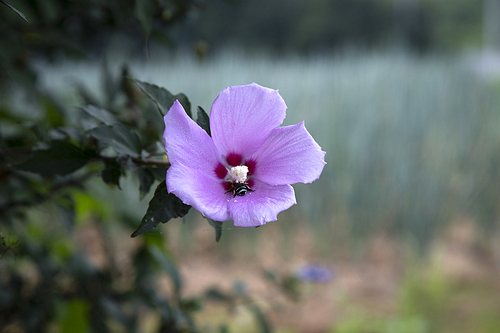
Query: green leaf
[112, 172]
[162, 207]
[146, 179]
[61, 158]
[159, 172]
[120, 137]
[9, 4]
[100, 114]
[163, 98]
[218, 228]
[203, 120]
[186, 104]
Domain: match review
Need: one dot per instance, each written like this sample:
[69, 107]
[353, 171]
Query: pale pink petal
[197, 188]
[261, 206]
[242, 117]
[188, 143]
[290, 155]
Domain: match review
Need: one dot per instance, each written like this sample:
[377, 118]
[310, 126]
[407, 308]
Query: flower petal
[261, 206]
[290, 155]
[197, 188]
[188, 143]
[242, 117]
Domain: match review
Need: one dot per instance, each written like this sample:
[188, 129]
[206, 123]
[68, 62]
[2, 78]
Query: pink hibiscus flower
[244, 171]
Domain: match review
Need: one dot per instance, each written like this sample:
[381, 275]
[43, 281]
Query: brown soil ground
[371, 282]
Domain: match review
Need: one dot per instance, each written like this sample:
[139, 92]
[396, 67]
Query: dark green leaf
[112, 172]
[120, 137]
[218, 228]
[163, 98]
[203, 120]
[168, 266]
[100, 114]
[61, 158]
[159, 172]
[162, 207]
[9, 4]
[186, 104]
[146, 179]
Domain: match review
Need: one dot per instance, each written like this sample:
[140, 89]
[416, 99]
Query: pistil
[239, 174]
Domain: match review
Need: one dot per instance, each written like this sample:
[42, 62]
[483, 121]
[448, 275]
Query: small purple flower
[244, 171]
[314, 273]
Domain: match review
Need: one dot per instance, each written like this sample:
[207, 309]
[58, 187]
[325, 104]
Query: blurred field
[413, 167]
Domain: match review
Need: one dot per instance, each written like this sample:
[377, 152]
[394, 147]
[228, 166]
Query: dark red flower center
[233, 179]
[234, 159]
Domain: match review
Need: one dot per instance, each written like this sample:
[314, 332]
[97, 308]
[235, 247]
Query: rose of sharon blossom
[244, 171]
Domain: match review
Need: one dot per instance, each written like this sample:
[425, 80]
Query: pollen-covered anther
[239, 174]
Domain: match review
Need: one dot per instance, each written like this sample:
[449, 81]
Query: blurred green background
[403, 95]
